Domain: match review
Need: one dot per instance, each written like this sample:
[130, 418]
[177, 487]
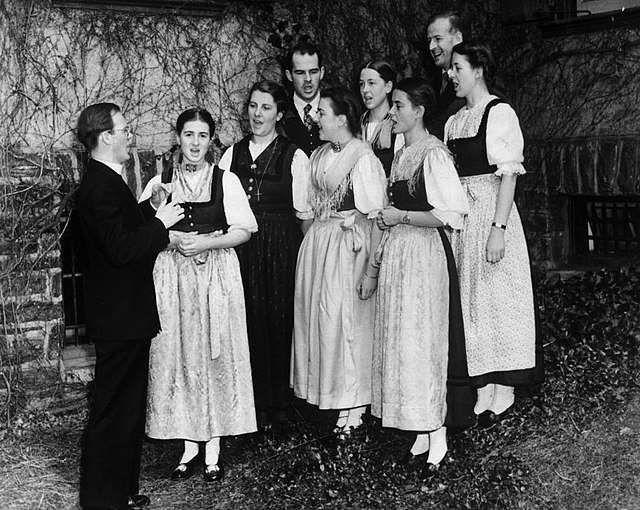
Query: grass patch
[573, 443]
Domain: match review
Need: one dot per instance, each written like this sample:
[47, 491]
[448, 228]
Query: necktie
[308, 119]
[445, 80]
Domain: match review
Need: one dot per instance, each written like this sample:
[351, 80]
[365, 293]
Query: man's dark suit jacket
[447, 104]
[122, 240]
[296, 131]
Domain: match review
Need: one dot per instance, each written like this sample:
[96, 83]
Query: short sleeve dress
[275, 178]
[333, 327]
[497, 299]
[419, 366]
[199, 370]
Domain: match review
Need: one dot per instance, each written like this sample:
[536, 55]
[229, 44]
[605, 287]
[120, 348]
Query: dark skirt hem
[267, 265]
[460, 395]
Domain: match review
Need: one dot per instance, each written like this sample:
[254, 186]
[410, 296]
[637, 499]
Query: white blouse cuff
[307, 215]
[251, 230]
[373, 214]
[510, 169]
[452, 219]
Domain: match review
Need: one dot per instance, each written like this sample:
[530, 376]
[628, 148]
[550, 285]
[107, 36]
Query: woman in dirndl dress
[275, 176]
[419, 340]
[491, 251]
[199, 370]
[377, 78]
[333, 315]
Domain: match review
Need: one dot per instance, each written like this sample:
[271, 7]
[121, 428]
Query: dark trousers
[113, 437]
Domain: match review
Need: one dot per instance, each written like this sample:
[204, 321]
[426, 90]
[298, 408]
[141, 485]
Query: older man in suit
[444, 31]
[122, 240]
[305, 72]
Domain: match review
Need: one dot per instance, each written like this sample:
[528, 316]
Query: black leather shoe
[489, 419]
[430, 470]
[138, 501]
[214, 473]
[411, 460]
[185, 470]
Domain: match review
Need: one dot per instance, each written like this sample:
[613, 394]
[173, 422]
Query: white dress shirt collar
[300, 103]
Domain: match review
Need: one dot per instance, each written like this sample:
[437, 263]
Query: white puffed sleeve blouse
[369, 185]
[505, 143]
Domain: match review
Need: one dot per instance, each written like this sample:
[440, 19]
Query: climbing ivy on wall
[54, 62]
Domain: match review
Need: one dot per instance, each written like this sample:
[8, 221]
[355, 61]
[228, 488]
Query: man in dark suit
[305, 72]
[122, 240]
[444, 31]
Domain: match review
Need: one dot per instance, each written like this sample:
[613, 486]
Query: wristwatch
[406, 219]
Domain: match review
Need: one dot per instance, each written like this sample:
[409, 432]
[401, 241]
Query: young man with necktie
[305, 72]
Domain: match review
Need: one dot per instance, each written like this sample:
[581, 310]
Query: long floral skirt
[497, 299]
[411, 342]
[199, 370]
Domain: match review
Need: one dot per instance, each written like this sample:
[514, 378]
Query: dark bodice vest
[386, 156]
[203, 217]
[470, 154]
[400, 197]
[267, 181]
[348, 202]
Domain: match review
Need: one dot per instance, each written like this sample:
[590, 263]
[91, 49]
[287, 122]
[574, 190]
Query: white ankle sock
[485, 397]
[421, 444]
[503, 398]
[191, 449]
[437, 445]
[354, 417]
[342, 418]
[212, 451]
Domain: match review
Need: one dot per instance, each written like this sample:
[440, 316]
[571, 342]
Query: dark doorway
[73, 266]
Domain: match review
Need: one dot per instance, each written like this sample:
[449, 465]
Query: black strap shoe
[185, 469]
[489, 419]
[214, 473]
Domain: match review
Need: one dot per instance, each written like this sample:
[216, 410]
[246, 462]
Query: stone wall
[30, 270]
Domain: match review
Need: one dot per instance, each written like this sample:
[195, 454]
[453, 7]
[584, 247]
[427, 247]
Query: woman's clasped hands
[389, 217]
[190, 244]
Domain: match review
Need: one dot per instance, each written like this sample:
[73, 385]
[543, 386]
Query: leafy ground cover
[573, 443]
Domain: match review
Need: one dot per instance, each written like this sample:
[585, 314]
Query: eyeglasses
[127, 130]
